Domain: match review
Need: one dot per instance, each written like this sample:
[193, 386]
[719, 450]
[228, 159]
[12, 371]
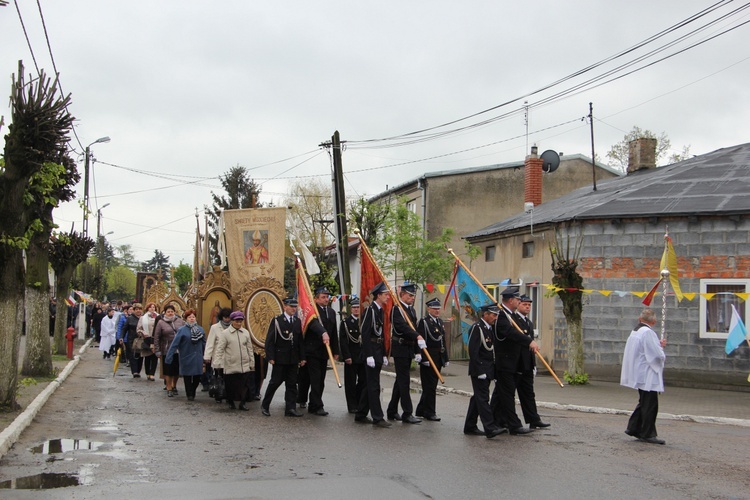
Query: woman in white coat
[109, 327]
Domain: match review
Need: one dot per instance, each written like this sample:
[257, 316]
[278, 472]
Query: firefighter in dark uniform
[313, 375]
[373, 356]
[481, 371]
[350, 343]
[404, 343]
[431, 328]
[285, 352]
[525, 379]
[509, 344]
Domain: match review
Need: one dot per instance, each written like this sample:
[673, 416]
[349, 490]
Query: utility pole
[86, 184]
[339, 211]
[593, 156]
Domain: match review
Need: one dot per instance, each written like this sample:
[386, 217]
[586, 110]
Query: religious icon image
[256, 246]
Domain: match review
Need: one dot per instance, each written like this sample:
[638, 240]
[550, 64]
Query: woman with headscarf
[108, 328]
[164, 333]
[146, 332]
[234, 354]
[190, 341]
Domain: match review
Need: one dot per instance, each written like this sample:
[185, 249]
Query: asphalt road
[133, 441]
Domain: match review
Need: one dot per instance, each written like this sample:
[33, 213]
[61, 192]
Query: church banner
[255, 239]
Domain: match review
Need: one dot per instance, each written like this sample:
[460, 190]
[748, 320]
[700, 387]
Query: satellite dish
[551, 161]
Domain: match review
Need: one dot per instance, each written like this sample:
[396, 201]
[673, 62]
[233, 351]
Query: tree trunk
[37, 360]
[61, 321]
[11, 310]
[575, 347]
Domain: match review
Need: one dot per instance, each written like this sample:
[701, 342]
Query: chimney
[532, 192]
[641, 154]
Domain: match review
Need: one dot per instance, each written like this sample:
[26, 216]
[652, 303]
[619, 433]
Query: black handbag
[216, 388]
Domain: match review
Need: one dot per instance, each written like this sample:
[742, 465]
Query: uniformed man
[509, 343]
[373, 355]
[313, 375]
[285, 352]
[404, 343]
[481, 371]
[431, 328]
[350, 343]
[525, 379]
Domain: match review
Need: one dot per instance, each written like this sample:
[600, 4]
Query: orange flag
[370, 276]
[307, 310]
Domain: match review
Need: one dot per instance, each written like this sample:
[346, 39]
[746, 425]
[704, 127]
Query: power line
[28, 42]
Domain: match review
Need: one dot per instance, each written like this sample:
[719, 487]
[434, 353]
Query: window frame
[704, 283]
[490, 249]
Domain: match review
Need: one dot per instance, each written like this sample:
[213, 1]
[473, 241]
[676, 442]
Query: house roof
[710, 184]
[484, 168]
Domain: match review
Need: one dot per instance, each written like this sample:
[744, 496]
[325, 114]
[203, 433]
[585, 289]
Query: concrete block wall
[626, 257]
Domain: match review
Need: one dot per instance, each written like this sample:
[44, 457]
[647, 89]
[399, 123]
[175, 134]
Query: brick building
[704, 203]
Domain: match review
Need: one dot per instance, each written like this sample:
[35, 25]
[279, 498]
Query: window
[716, 312]
[489, 254]
[411, 206]
[528, 249]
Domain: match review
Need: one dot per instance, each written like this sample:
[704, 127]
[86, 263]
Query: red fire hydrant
[70, 335]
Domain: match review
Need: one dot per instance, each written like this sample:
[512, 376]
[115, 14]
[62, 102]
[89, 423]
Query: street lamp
[99, 220]
[86, 184]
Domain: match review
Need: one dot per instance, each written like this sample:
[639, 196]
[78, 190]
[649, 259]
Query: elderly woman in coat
[190, 341]
[164, 333]
[234, 354]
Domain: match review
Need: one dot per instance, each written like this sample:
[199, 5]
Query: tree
[121, 283]
[159, 263]
[568, 285]
[38, 132]
[618, 153]
[183, 276]
[370, 219]
[241, 192]
[311, 212]
[125, 256]
[404, 248]
[66, 251]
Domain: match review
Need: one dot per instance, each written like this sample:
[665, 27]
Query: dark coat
[372, 334]
[528, 358]
[481, 358]
[314, 347]
[404, 339]
[285, 346]
[433, 332]
[350, 340]
[509, 343]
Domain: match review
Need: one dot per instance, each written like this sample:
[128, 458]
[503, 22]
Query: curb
[11, 433]
[597, 409]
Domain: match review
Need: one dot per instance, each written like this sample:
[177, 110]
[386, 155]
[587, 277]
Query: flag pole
[539, 355]
[306, 284]
[665, 284]
[397, 302]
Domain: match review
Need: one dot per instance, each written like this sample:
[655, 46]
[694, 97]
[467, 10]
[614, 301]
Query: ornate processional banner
[255, 239]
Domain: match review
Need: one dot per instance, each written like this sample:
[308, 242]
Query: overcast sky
[188, 89]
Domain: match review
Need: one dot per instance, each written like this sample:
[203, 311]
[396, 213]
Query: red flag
[370, 276]
[306, 310]
[650, 295]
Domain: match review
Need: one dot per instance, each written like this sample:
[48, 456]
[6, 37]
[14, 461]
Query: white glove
[371, 362]
[422, 344]
[535, 371]
[385, 361]
[418, 358]
[482, 376]
[447, 364]
[426, 363]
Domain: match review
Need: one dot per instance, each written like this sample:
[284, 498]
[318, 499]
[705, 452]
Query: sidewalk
[676, 403]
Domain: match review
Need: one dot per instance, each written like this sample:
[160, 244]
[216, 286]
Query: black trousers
[286, 374]
[236, 386]
[401, 388]
[426, 405]
[355, 384]
[303, 384]
[191, 384]
[479, 406]
[150, 363]
[369, 400]
[316, 370]
[525, 389]
[136, 361]
[503, 401]
[642, 422]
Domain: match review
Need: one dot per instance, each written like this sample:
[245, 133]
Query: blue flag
[737, 332]
[471, 297]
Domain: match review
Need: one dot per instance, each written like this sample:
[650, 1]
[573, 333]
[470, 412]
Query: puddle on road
[65, 445]
[43, 481]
